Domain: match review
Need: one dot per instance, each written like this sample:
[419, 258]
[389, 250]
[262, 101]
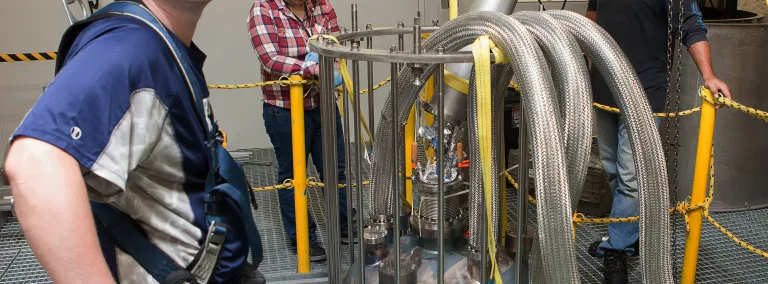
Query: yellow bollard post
[410, 132]
[699, 191]
[299, 175]
[453, 9]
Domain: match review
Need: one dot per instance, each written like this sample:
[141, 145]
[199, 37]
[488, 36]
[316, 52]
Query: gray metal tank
[739, 58]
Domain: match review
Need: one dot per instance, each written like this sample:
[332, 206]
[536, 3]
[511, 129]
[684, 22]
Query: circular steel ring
[375, 55]
[385, 31]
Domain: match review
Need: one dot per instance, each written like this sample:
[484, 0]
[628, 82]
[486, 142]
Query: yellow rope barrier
[673, 114]
[721, 100]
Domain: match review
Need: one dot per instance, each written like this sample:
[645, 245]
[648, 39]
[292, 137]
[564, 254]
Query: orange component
[464, 164]
[460, 151]
[222, 135]
[414, 152]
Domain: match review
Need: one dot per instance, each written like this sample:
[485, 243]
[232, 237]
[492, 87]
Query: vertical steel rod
[359, 174]
[417, 35]
[395, 172]
[330, 162]
[484, 241]
[355, 92]
[354, 17]
[441, 166]
[359, 144]
[400, 43]
[371, 109]
[522, 196]
[347, 159]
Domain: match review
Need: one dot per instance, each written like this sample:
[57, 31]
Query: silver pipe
[359, 151]
[522, 197]
[371, 109]
[457, 109]
[656, 263]
[400, 42]
[354, 17]
[503, 6]
[395, 171]
[439, 78]
[330, 162]
[347, 140]
[417, 35]
[359, 170]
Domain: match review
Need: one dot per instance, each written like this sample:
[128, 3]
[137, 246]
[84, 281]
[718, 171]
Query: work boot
[595, 246]
[615, 267]
[251, 275]
[316, 252]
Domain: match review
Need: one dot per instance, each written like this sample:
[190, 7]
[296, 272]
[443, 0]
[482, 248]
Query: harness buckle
[217, 233]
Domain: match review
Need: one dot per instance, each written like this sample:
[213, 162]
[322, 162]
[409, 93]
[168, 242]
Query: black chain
[672, 148]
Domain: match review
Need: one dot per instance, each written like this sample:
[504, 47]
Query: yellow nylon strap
[482, 53]
[499, 57]
[456, 82]
[453, 9]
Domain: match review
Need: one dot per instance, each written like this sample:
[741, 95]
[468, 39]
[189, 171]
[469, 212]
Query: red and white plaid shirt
[280, 40]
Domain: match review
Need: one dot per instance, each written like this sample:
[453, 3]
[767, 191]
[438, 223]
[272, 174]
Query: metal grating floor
[720, 259]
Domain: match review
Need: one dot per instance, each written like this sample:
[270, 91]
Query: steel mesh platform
[720, 259]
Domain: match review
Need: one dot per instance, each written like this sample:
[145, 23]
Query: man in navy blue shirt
[639, 27]
[118, 125]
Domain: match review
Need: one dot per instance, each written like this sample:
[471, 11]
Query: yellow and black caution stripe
[36, 56]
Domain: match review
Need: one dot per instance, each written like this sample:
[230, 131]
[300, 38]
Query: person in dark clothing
[640, 27]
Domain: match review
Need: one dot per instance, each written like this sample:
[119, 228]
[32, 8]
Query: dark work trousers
[511, 131]
[277, 121]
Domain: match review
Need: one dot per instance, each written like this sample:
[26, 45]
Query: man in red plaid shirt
[280, 31]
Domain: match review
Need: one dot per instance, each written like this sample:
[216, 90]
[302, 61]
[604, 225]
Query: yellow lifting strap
[462, 85]
[481, 50]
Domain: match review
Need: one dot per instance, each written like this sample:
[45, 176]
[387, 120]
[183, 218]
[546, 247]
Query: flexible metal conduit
[575, 110]
[643, 136]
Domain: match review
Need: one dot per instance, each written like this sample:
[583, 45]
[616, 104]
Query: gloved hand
[312, 57]
[337, 80]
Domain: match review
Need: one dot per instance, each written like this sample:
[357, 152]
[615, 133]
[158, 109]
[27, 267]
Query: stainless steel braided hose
[646, 143]
[574, 95]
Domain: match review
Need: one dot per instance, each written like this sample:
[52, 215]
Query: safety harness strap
[133, 242]
[225, 176]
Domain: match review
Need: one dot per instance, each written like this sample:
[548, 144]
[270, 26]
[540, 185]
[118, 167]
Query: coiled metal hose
[553, 131]
[575, 110]
[650, 167]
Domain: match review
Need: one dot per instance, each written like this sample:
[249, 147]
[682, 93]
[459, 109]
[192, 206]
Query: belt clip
[217, 233]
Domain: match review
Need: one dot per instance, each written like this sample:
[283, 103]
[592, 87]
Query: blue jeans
[277, 121]
[618, 162]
